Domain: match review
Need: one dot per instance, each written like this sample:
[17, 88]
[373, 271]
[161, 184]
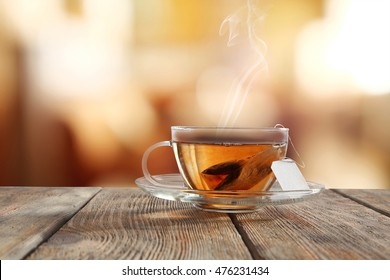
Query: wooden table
[126, 223]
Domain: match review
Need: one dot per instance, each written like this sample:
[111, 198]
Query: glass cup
[224, 158]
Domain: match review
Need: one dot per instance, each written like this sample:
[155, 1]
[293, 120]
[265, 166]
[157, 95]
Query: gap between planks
[56, 229]
[245, 238]
[357, 200]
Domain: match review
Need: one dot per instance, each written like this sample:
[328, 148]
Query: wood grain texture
[29, 215]
[126, 223]
[379, 200]
[328, 227]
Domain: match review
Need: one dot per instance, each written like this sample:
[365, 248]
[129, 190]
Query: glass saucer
[224, 201]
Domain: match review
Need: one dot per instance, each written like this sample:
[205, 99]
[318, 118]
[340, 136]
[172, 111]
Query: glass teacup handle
[145, 157]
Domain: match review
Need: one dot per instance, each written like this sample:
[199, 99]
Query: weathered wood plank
[379, 200]
[328, 227]
[29, 215]
[126, 223]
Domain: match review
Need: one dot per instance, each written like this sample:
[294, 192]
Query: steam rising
[241, 28]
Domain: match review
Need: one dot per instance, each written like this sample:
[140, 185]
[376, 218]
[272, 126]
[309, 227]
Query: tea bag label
[288, 175]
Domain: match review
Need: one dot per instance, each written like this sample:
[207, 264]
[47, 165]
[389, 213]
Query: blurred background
[87, 85]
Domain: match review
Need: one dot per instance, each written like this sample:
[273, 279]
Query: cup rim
[179, 127]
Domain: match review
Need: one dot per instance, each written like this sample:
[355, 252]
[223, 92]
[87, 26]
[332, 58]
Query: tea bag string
[301, 163]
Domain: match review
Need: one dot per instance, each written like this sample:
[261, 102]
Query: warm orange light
[348, 51]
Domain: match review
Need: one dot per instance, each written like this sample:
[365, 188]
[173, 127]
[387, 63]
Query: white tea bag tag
[288, 175]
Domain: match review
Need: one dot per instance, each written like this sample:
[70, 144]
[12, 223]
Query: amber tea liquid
[228, 167]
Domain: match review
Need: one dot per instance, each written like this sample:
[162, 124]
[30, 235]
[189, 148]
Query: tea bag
[241, 174]
[289, 176]
[222, 174]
